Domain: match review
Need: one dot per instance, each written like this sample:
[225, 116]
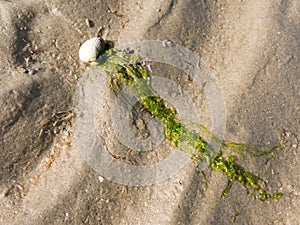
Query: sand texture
[251, 46]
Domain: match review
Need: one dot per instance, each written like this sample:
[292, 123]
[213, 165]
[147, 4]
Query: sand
[252, 48]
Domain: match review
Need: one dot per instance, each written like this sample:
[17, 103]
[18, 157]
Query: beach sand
[253, 49]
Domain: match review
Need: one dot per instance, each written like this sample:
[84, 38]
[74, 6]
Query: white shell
[89, 50]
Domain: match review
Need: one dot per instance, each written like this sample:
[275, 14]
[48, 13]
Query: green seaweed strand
[179, 135]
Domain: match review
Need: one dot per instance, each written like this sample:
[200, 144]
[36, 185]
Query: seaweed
[124, 69]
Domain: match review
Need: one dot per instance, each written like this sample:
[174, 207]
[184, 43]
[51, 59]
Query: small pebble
[89, 23]
[168, 44]
[101, 179]
[31, 72]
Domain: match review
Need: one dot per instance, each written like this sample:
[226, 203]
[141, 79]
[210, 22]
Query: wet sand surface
[253, 49]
